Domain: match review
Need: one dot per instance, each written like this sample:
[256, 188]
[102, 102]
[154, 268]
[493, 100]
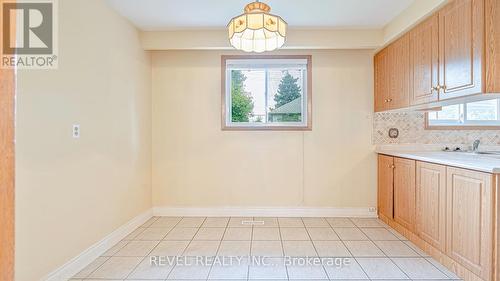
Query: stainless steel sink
[484, 153]
[488, 152]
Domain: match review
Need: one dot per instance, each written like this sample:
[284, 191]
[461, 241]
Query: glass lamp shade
[256, 30]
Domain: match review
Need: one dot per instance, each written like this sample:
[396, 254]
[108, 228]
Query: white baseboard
[76, 264]
[265, 212]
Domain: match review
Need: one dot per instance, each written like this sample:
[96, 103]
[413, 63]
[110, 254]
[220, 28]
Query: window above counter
[474, 115]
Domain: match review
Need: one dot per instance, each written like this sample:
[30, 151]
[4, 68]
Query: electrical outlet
[372, 209]
[76, 131]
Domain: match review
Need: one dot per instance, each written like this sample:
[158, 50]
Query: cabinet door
[385, 186]
[424, 62]
[399, 73]
[381, 80]
[404, 192]
[469, 220]
[461, 33]
[431, 204]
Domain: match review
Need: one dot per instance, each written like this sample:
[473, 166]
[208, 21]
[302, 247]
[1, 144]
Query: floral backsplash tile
[411, 128]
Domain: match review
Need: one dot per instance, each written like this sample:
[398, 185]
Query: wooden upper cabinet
[470, 220]
[424, 62]
[392, 72]
[381, 80]
[454, 53]
[399, 73]
[492, 38]
[431, 204]
[461, 43]
[385, 186]
[404, 192]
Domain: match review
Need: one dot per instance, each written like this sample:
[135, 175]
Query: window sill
[266, 128]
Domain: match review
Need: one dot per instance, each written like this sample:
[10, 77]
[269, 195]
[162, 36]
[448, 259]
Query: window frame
[229, 126]
[468, 125]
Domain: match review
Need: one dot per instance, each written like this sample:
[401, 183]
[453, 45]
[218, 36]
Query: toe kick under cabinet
[451, 213]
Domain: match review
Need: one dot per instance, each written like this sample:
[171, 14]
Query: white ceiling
[197, 14]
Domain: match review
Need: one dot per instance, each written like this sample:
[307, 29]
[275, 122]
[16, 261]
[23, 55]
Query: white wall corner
[73, 266]
[265, 212]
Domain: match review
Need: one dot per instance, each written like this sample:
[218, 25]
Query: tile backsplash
[411, 126]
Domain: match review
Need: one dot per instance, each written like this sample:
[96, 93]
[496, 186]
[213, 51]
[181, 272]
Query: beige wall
[72, 193]
[195, 164]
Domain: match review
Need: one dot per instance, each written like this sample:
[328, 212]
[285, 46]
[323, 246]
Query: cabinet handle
[443, 87]
[389, 100]
[392, 166]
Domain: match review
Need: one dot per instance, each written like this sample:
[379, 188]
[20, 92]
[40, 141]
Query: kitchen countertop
[466, 160]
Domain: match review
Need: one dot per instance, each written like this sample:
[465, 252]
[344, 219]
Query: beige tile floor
[369, 249]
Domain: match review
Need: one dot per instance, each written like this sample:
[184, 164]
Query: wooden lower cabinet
[404, 192]
[385, 186]
[469, 217]
[431, 204]
[449, 212]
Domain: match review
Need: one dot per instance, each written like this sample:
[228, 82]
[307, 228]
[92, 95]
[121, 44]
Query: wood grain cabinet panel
[455, 53]
[461, 43]
[404, 192]
[392, 74]
[385, 186]
[381, 80]
[399, 73]
[424, 62]
[431, 204]
[492, 11]
[469, 220]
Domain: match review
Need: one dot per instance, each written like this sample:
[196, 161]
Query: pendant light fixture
[257, 30]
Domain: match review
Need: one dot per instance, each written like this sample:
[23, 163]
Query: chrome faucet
[475, 145]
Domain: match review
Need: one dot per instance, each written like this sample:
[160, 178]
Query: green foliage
[287, 117]
[288, 90]
[292, 117]
[242, 103]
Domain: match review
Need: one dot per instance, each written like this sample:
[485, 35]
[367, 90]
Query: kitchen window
[266, 93]
[474, 115]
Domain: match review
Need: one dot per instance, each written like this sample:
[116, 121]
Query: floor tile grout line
[427, 259]
[250, 252]
[88, 275]
[282, 248]
[182, 254]
[411, 246]
[316, 250]
[352, 256]
[386, 255]
[400, 268]
[391, 259]
[127, 242]
[218, 248]
[128, 275]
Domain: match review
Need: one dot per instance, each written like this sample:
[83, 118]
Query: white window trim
[244, 62]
